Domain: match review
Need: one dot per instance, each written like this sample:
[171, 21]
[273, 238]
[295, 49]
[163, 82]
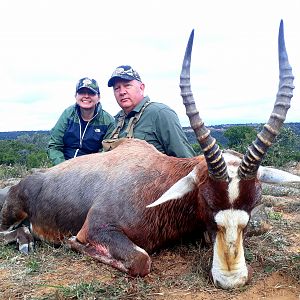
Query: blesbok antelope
[120, 206]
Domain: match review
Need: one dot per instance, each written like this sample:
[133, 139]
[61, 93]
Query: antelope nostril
[217, 284]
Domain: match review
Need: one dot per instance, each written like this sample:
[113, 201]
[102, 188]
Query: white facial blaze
[233, 189]
[229, 268]
[230, 219]
[232, 162]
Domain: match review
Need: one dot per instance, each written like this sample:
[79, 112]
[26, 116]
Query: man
[153, 122]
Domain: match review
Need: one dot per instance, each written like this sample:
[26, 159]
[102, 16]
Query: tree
[16, 152]
[285, 148]
[240, 137]
[197, 149]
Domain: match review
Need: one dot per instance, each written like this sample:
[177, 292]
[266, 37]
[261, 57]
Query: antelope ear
[178, 190]
[271, 175]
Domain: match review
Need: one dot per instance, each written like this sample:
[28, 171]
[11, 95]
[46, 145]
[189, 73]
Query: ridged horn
[256, 151]
[216, 165]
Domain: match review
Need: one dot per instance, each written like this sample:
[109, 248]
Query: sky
[46, 46]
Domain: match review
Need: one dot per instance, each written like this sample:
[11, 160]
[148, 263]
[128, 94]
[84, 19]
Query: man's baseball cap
[124, 72]
[88, 83]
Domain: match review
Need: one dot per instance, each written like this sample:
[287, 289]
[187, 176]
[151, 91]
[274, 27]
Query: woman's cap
[88, 83]
[124, 72]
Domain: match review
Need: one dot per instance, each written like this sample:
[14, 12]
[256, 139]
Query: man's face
[128, 93]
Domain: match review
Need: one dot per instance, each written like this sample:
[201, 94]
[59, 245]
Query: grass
[33, 266]
[122, 287]
[34, 271]
[274, 215]
[59, 273]
[183, 268]
[15, 171]
[6, 251]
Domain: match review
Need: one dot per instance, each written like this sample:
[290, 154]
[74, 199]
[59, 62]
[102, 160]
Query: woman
[82, 126]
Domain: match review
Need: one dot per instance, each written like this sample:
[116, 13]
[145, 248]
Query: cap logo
[122, 71]
[87, 82]
[119, 71]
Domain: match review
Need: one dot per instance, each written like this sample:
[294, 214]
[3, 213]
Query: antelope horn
[256, 151]
[216, 165]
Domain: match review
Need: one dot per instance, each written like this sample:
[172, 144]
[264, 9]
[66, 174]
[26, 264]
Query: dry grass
[272, 249]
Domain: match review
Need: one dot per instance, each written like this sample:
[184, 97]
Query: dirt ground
[64, 272]
[179, 273]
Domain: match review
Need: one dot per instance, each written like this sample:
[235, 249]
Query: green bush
[25, 151]
[37, 159]
[197, 149]
[285, 147]
[240, 137]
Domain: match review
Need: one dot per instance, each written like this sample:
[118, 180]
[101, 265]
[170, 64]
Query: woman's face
[86, 98]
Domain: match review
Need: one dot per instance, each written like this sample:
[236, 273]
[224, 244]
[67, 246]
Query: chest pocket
[115, 141]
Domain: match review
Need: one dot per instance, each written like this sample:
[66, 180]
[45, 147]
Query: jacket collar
[96, 111]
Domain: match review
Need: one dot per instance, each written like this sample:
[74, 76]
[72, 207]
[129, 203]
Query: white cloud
[46, 46]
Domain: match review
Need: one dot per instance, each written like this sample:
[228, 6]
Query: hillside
[217, 132]
[12, 135]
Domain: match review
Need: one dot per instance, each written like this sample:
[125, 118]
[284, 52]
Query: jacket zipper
[81, 135]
